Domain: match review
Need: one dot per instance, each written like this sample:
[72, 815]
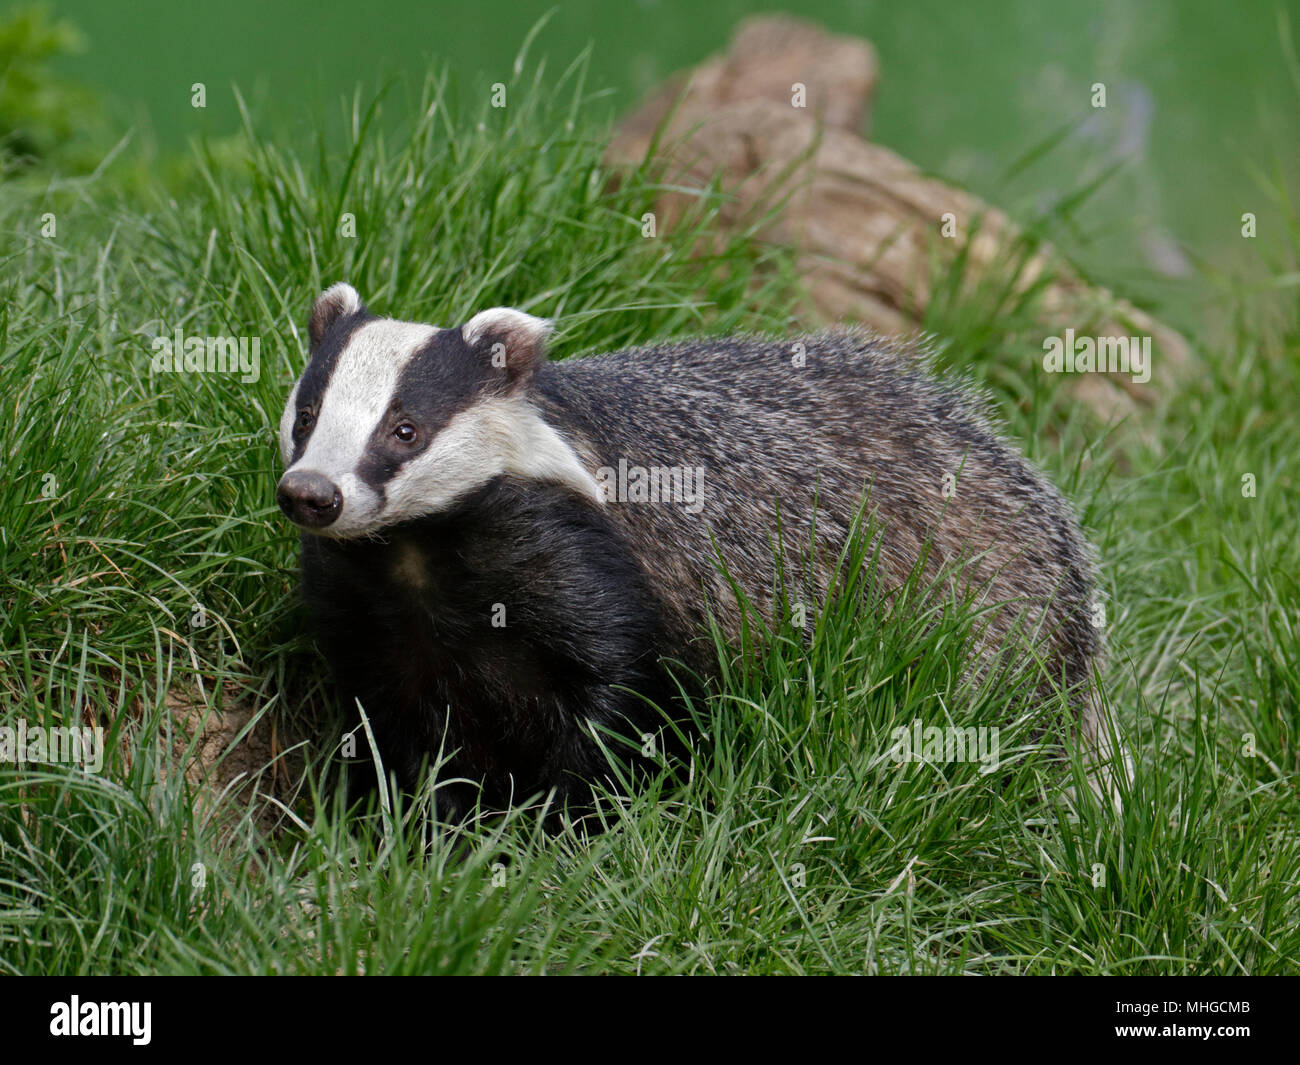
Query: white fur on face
[287, 419]
[356, 399]
[494, 436]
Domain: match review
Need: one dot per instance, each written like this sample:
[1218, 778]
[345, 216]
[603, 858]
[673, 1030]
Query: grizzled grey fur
[861, 414]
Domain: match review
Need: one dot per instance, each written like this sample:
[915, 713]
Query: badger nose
[309, 499]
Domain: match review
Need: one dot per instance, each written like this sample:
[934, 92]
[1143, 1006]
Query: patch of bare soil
[235, 761]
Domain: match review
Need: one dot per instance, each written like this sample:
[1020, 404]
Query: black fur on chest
[500, 635]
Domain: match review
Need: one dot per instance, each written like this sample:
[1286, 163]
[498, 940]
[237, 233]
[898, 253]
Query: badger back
[788, 434]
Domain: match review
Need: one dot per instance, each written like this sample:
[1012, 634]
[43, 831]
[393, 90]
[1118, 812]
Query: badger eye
[305, 420]
[406, 433]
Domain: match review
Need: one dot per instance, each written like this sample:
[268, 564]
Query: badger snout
[309, 499]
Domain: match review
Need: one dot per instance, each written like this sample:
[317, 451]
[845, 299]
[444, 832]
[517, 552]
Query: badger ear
[512, 340]
[331, 305]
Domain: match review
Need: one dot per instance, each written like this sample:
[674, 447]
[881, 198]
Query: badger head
[393, 421]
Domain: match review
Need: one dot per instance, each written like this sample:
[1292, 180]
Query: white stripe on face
[503, 434]
[357, 397]
[287, 420]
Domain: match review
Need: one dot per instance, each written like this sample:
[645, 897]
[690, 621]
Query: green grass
[142, 555]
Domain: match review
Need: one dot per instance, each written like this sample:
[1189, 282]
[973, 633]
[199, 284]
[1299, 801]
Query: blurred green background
[1199, 92]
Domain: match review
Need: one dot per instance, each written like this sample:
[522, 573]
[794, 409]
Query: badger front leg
[569, 664]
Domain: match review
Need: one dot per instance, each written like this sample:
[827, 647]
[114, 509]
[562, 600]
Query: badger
[509, 561]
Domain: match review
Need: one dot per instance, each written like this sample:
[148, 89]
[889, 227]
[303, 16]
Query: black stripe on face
[316, 378]
[446, 376]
